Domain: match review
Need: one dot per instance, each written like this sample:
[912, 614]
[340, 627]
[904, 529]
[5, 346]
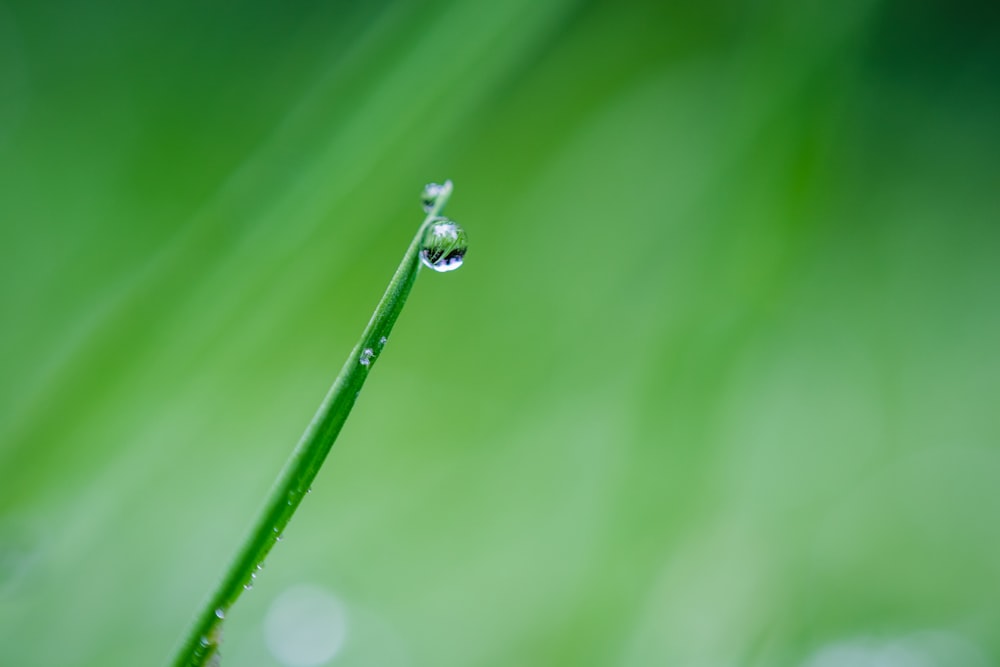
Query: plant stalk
[201, 646]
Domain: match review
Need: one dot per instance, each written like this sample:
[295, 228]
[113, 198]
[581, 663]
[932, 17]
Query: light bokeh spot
[925, 649]
[305, 626]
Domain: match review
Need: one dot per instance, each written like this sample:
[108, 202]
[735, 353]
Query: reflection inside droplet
[443, 245]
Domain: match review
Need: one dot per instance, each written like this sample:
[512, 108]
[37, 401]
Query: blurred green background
[717, 385]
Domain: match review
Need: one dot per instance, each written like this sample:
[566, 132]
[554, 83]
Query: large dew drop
[443, 246]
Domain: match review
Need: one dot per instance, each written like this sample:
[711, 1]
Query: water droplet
[430, 195]
[278, 538]
[247, 586]
[260, 566]
[443, 246]
[203, 641]
[220, 613]
[382, 341]
[275, 529]
[366, 356]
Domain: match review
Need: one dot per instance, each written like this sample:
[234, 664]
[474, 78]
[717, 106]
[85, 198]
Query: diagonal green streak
[203, 640]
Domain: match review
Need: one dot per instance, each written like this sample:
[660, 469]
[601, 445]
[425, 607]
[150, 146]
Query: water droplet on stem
[443, 246]
[430, 195]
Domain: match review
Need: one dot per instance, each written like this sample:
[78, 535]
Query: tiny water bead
[366, 356]
[430, 195]
[220, 613]
[443, 245]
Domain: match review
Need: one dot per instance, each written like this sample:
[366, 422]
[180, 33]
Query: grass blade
[201, 646]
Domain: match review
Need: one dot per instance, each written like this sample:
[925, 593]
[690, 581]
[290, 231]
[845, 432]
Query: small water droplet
[203, 641]
[253, 575]
[220, 613]
[260, 566]
[430, 195]
[248, 586]
[278, 538]
[443, 246]
[382, 341]
[275, 529]
[366, 356]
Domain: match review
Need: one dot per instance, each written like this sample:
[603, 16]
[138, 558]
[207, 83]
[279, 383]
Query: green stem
[202, 642]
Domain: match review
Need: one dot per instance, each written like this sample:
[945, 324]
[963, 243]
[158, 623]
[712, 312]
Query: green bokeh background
[717, 385]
